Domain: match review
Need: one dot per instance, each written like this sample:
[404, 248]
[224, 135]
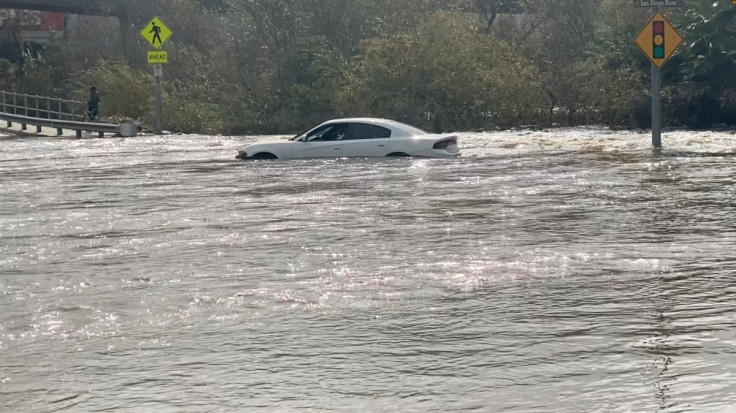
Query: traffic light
[658, 39]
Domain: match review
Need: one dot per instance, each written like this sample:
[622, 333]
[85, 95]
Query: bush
[606, 95]
[124, 91]
[443, 76]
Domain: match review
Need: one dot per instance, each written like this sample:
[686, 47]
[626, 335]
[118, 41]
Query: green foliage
[124, 91]
[604, 94]
[188, 116]
[37, 79]
[707, 94]
[443, 76]
[282, 65]
[7, 75]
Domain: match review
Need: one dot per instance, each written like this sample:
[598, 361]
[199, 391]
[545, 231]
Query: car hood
[272, 143]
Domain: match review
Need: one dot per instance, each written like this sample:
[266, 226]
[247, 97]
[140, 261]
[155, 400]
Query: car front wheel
[264, 155]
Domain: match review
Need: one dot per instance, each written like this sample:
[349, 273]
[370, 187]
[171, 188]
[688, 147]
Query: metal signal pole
[656, 108]
[656, 102]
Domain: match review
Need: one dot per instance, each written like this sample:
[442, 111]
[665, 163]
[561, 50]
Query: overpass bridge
[92, 7]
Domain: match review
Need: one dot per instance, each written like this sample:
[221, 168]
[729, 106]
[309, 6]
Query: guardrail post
[25, 104]
[59, 131]
[15, 105]
[79, 133]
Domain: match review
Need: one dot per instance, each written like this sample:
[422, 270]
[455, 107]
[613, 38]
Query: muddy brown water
[557, 271]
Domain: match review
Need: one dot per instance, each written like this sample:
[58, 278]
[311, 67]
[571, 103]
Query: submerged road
[549, 271]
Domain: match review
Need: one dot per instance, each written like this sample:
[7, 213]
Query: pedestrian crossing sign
[156, 32]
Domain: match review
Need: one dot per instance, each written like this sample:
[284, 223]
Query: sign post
[157, 73]
[656, 107]
[157, 33]
[657, 40]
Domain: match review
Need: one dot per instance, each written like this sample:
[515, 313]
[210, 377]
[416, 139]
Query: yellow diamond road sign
[156, 32]
[658, 40]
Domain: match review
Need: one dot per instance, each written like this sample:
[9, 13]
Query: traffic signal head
[658, 39]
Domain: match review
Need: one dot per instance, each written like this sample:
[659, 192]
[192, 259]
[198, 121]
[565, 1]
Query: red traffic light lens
[658, 28]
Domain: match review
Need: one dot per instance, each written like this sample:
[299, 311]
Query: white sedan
[356, 137]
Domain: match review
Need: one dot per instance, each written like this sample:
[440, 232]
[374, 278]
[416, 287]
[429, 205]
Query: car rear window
[409, 128]
[365, 131]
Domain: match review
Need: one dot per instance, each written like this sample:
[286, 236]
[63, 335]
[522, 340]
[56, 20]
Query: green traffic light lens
[658, 52]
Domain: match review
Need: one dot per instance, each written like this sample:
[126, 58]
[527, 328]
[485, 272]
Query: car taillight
[443, 144]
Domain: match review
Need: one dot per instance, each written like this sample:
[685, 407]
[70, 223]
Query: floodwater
[553, 271]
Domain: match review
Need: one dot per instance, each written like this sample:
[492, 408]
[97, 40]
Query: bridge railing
[42, 106]
[59, 114]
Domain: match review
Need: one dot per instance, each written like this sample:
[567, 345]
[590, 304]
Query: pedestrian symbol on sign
[156, 32]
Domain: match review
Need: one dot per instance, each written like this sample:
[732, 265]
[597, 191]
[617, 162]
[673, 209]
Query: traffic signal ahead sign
[658, 40]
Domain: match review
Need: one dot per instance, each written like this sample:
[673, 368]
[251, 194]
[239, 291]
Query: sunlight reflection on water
[562, 270]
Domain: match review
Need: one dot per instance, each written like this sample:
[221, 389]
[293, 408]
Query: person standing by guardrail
[93, 104]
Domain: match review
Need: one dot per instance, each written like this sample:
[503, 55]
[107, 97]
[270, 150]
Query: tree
[707, 94]
[444, 76]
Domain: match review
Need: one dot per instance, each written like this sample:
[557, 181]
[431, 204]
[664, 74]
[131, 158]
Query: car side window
[365, 131]
[333, 132]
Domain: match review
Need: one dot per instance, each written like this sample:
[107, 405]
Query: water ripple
[564, 270]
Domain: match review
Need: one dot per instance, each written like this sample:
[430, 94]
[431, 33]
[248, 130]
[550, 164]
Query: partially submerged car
[357, 137]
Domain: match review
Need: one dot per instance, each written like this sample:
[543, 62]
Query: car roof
[386, 123]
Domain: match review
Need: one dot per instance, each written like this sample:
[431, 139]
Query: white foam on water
[599, 140]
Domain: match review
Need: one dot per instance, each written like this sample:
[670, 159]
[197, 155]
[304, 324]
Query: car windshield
[300, 134]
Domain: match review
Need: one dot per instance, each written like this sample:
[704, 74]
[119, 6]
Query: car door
[366, 140]
[323, 142]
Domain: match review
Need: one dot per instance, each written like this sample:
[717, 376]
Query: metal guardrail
[60, 125]
[56, 113]
[41, 106]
